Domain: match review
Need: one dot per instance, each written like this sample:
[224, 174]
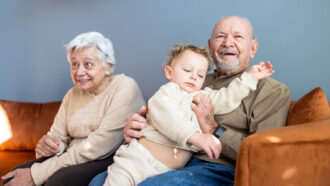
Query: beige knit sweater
[90, 127]
[172, 121]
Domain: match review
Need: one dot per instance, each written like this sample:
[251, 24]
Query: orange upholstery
[25, 124]
[295, 155]
[28, 122]
[10, 159]
[311, 107]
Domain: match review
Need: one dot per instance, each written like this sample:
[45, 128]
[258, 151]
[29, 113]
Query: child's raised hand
[261, 70]
[207, 142]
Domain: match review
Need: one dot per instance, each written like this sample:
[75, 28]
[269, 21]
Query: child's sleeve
[227, 99]
[165, 115]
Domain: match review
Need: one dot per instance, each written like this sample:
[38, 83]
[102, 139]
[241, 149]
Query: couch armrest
[293, 155]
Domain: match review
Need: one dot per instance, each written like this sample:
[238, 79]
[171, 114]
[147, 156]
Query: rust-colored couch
[21, 126]
[295, 155]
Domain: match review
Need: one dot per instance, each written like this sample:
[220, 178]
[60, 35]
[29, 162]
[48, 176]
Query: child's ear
[168, 72]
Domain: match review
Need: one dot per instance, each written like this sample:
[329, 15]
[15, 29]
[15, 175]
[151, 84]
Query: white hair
[93, 39]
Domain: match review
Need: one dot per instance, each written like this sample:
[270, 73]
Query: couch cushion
[311, 107]
[27, 123]
[10, 159]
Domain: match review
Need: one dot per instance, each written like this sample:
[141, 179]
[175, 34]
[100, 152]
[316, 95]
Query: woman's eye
[201, 76]
[74, 64]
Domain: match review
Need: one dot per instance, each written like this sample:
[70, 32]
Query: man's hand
[209, 143]
[20, 177]
[47, 146]
[261, 70]
[134, 123]
[204, 113]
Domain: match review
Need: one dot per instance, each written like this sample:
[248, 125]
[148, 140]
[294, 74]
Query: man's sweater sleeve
[269, 110]
[103, 141]
[165, 114]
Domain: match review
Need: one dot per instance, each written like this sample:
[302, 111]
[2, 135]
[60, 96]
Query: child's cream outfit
[172, 123]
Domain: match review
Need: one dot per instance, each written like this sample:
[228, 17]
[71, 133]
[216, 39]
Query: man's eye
[238, 36]
[220, 36]
[201, 76]
[187, 70]
[88, 64]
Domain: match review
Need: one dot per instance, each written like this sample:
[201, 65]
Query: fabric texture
[99, 179]
[311, 107]
[293, 155]
[265, 108]
[133, 164]
[90, 127]
[80, 174]
[173, 122]
[26, 123]
[10, 159]
[196, 173]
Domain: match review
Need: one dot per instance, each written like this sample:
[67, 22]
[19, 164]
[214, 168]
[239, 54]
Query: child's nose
[194, 76]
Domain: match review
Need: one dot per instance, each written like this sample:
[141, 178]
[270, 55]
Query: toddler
[174, 132]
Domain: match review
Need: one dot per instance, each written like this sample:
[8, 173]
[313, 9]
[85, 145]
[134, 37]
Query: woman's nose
[81, 70]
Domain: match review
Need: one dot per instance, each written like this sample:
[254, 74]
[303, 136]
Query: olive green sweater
[265, 108]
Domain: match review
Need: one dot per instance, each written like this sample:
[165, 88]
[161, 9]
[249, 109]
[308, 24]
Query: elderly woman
[88, 127]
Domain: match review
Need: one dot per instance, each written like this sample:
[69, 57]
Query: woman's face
[87, 71]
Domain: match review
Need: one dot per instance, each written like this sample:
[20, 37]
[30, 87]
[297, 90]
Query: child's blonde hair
[177, 50]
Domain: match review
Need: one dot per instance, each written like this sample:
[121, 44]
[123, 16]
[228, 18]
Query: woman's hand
[20, 177]
[47, 146]
[134, 123]
[207, 142]
[204, 113]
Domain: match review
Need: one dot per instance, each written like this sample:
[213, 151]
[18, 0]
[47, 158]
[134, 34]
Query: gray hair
[93, 39]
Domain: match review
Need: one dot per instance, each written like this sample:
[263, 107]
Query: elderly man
[232, 46]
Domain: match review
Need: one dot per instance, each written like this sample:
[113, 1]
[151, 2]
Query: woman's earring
[107, 73]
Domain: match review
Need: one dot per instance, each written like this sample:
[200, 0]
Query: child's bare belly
[173, 158]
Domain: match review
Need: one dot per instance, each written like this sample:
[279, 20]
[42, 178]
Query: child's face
[188, 70]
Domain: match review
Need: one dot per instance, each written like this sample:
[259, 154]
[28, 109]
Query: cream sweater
[90, 127]
[172, 121]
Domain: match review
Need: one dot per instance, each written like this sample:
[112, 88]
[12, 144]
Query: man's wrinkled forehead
[235, 25]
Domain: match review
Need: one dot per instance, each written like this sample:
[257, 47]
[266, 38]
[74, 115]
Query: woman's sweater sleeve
[59, 128]
[104, 141]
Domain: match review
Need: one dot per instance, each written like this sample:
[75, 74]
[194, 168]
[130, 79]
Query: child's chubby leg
[132, 164]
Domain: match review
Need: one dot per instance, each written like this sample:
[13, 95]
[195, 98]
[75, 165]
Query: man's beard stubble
[227, 67]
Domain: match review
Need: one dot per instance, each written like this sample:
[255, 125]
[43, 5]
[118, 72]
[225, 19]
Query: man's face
[232, 45]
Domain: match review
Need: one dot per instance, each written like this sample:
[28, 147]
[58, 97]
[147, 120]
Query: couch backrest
[27, 123]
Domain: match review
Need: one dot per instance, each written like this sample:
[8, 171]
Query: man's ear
[209, 43]
[168, 72]
[254, 48]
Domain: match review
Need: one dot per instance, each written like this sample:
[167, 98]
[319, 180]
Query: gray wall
[293, 34]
